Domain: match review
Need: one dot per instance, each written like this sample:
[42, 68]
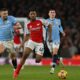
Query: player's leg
[38, 58]
[49, 45]
[2, 48]
[12, 54]
[26, 53]
[39, 52]
[19, 51]
[55, 57]
[27, 50]
[16, 47]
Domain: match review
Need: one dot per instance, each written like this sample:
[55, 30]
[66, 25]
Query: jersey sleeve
[26, 30]
[60, 27]
[13, 19]
[45, 22]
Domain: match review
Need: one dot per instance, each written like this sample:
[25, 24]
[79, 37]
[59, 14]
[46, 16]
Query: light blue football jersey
[6, 28]
[56, 29]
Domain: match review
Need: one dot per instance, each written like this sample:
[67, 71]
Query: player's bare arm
[63, 33]
[26, 38]
[50, 31]
[49, 25]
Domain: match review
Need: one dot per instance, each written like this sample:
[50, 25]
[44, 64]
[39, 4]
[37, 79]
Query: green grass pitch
[38, 73]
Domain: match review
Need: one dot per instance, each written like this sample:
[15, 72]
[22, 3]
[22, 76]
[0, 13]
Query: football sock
[54, 60]
[18, 68]
[14, 62]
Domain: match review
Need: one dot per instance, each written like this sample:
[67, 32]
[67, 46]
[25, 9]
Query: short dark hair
[32, 9]
[52, 9]
[3, 9]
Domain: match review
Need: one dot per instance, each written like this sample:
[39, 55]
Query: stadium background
[69, 12]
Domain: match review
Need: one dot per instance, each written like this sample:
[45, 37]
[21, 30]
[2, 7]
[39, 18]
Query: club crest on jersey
[57, 22]
[38, 24]
[7, 21]
[30, 26]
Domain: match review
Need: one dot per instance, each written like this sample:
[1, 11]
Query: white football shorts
[8, 45]
[39, 47]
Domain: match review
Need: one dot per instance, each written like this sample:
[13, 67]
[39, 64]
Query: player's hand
[2, 48]
[21, 46]
[63, 34]
[50, 40]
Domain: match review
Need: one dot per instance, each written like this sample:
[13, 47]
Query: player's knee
[55, 52]
[27, 51]
[12, 55]
[25, 55]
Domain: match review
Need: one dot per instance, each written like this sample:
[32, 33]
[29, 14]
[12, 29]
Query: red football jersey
[36, 30]
[17, 37]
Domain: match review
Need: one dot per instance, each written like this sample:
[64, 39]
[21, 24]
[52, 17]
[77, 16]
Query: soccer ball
[62, 74]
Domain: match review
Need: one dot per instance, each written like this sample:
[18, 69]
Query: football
[62, 74]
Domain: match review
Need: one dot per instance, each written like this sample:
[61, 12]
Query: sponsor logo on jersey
[37, 28]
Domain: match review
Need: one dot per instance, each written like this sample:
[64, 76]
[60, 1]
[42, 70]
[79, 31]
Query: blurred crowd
[67, 10]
